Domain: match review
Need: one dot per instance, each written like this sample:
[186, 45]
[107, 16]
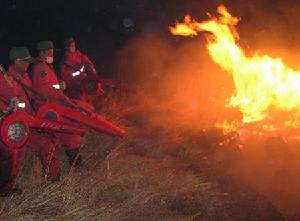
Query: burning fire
[264, 85]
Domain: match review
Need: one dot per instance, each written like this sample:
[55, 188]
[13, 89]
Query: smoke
[176, 78]
[270, 28]
[177, 83]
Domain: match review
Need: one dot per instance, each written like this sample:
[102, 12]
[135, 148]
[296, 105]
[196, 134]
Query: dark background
[98, 25]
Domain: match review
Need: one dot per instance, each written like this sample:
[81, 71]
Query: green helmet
[20, 53]
[44, 45]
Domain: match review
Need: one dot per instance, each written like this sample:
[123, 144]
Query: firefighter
[74, 69]
[41, 144]
[10, 160]
[46, 82]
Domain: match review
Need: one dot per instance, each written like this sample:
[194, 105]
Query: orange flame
[262, 83]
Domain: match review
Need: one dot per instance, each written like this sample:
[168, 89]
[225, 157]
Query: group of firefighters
[16, 82]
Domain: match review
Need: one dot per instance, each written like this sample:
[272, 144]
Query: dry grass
[153, 174]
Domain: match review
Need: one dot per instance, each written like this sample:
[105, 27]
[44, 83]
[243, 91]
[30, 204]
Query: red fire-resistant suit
[72, 63]
[44, 77]
[42, 144]
[10, 160]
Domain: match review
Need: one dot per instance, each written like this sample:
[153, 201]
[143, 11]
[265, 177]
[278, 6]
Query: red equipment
[58, 112]
[91, 85]
[15, 128]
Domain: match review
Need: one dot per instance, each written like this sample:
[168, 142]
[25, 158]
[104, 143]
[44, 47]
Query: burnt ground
[155, 173]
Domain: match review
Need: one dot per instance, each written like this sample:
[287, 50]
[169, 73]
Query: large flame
[263, 84]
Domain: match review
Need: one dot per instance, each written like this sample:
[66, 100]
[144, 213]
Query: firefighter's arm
[6, 87]
[88, 64]
[66, 75]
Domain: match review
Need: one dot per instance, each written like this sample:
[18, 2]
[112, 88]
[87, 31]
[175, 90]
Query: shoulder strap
[28, 97]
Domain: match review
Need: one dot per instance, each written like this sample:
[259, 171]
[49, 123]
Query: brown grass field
[155, 173]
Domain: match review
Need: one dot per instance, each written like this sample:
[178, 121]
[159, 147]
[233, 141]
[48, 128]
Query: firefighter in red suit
[42, 144]
[74, 68]
[45, 80]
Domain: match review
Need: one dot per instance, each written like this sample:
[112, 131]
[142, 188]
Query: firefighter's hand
[90, 70]
[94, 70]
[62, 85]
[13, 103]
[100, 90]
[9, 79]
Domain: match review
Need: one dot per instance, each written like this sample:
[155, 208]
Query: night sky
[102, 27]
